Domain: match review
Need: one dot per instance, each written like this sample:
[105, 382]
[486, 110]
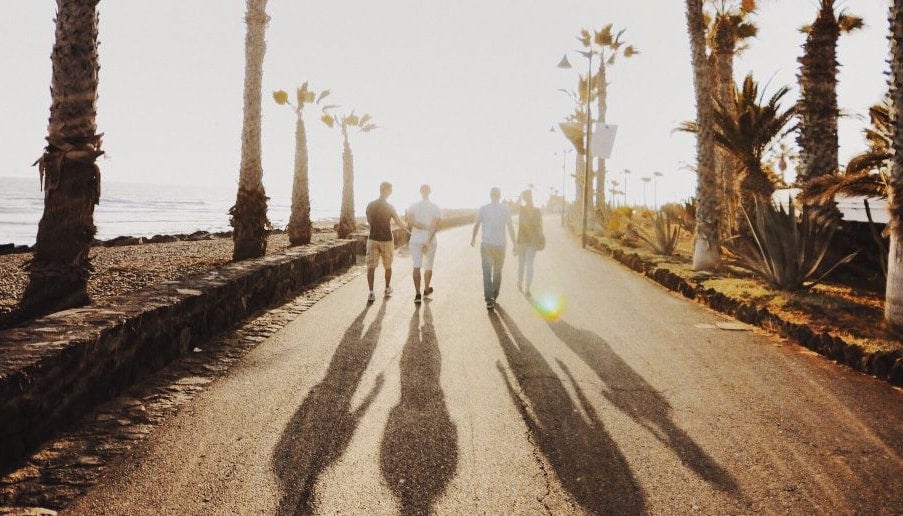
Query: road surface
[626, 403]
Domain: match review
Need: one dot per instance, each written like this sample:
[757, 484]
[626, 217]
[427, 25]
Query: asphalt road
[621, 405]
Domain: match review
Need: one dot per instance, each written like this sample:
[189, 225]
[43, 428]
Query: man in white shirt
[494, 218]
[423, 218]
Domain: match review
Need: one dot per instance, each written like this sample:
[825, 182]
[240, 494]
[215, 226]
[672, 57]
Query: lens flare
[549, 306]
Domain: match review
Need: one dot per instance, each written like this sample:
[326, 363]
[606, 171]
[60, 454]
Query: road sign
[603, 140]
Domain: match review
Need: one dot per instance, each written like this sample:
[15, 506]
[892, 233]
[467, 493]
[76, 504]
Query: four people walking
[422, 221]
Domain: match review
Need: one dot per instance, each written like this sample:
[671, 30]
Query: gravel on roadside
[118, 270]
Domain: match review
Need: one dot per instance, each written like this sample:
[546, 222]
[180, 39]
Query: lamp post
[655, 176]
[626, 172]
[565, 64]
[646, 180]
[564, 174]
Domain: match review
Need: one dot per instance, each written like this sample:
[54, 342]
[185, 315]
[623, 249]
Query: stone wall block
[58, 367]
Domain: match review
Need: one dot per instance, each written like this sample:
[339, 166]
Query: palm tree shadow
[629, 392]
[419, 452]
[321, 428]
[570, 435]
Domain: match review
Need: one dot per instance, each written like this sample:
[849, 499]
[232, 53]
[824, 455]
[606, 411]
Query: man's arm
[476, 227]
[400, 222]
[511, 230]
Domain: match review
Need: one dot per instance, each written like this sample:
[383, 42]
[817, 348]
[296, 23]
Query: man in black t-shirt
[380, 244]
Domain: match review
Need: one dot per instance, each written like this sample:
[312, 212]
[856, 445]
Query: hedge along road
[629, 402]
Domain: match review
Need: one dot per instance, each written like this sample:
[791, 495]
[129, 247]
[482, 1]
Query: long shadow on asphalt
[322, 427]
[419, 451]
[571, 437]
[631, 393]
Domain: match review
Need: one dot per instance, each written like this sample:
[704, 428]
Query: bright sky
[465, 91]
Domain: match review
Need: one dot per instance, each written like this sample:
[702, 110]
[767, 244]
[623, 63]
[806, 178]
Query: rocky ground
[122, 269]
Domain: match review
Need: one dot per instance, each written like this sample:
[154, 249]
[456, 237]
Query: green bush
[785, 250]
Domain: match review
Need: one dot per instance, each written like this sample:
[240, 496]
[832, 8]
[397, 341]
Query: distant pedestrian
[494, 218]
[530, 238]
[423, 219]
[380, 243]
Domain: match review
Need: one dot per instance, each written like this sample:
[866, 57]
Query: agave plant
[664, 238]
[786, 251]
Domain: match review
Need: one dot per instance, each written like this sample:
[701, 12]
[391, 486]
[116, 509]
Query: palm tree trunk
[754, 187]
[299, 225]
[249, 214]
[59, 271]
[893, 306]
[603, 112]
[707, 252]
[727, 167]
[347, 222]
[818, 111]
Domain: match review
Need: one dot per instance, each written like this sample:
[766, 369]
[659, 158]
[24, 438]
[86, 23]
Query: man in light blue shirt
[494, 219]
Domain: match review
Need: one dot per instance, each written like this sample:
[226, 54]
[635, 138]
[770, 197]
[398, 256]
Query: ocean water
[137, 209]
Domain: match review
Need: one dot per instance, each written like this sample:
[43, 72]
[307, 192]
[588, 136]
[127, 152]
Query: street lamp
[564, 175]
[655, 175]
[565, 64]
[646, 180]
[564, 163]
[626, 172]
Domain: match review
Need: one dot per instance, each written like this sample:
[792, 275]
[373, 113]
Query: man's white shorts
[421, 259]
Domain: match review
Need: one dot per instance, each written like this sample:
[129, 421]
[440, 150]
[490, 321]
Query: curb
[884, 365]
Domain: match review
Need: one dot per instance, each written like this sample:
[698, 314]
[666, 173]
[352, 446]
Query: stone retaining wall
[58, 367]
[884, 365]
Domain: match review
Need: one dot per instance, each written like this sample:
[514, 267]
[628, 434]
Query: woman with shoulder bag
[530, 239]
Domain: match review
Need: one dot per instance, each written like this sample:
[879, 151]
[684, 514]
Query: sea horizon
[139, 209]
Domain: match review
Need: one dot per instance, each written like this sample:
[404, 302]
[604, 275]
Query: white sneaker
[371, 298]
[388, 291]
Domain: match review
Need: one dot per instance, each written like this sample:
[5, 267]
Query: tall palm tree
[818, 111]
[866, 174]
[746, 129]
[347, 222]
[300, 228]
[893, 306]
[729, 26]
[610, 46]
[70, 177]
[249, 214]
[707, 251]
[574, 129]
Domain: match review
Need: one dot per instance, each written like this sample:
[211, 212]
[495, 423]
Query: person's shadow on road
[419, 451]
[322, 427]
[632, 394]
[571, 436]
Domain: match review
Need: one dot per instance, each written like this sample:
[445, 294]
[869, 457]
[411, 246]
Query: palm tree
[610, 47]
[347, 222]
[70, 177]
[893, 306]
[818, 111]
[299, 227]
[746, 129]
[707, 251]
[728, 28]
[866, 174]
[574, 129]
[249, 214]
